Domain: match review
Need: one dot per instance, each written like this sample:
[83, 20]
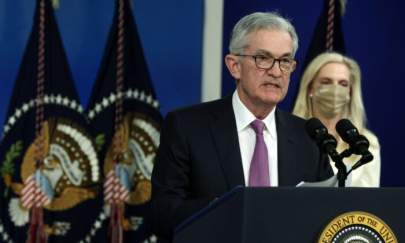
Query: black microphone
[358, 143]
[327, 143]
[348, 132]
[318, 132]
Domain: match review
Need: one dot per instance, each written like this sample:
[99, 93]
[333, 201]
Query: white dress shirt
[247, 138]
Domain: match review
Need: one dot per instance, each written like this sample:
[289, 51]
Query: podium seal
[357, 226]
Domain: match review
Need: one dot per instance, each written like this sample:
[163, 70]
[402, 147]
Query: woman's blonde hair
[355, 110]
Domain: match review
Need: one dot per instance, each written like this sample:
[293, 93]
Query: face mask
[331, 99]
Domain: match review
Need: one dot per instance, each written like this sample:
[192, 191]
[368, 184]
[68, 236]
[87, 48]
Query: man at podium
[243, 139]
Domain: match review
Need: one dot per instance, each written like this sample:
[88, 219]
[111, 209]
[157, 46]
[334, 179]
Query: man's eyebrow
[267, 53]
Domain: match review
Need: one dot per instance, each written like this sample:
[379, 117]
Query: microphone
[358, 143]
[318, 132]
[327, 143]
[348, 132]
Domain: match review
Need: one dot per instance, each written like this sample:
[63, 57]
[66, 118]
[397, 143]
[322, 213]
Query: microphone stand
[342, 171]
[365, 158]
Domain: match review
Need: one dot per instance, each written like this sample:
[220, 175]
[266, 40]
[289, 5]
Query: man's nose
[275, 70]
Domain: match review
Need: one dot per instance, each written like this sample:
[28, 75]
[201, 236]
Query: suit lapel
[287, 163]
[225, 136]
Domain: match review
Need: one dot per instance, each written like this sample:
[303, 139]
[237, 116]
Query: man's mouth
[275, 85]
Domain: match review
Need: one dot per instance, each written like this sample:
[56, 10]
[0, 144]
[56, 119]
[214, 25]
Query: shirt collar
[244, 117]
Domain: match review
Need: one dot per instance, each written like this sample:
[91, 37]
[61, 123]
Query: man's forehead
[270, 42]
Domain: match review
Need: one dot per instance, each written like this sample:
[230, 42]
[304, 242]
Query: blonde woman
[330, 90]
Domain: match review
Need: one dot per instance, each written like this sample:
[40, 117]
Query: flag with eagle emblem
[50, 177]
[124, 118]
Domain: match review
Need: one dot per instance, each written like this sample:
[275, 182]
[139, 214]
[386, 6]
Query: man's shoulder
[292, 126]
[196, 118]
[203, 109]
[289, 119]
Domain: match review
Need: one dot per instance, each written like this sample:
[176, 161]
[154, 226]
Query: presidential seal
[357, 227]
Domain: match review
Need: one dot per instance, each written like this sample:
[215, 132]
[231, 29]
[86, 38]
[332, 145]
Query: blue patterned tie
[259, 166]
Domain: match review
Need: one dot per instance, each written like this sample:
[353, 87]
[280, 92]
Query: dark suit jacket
[199, 159]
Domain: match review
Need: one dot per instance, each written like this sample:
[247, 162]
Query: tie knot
[258, 126]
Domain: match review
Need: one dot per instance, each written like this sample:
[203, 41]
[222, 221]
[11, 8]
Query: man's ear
[233, 65]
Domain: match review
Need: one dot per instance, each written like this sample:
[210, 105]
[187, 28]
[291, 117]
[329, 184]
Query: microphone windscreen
[315, 128]
[347, 131]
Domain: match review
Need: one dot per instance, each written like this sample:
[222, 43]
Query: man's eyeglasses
[286, 64]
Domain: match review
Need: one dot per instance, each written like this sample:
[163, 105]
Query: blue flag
[124, 118]
[50, 184]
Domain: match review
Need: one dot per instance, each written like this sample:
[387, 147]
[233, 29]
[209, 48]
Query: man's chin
[272, 100]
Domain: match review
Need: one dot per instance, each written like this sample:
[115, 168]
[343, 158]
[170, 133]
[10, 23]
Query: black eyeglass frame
[290, 70]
